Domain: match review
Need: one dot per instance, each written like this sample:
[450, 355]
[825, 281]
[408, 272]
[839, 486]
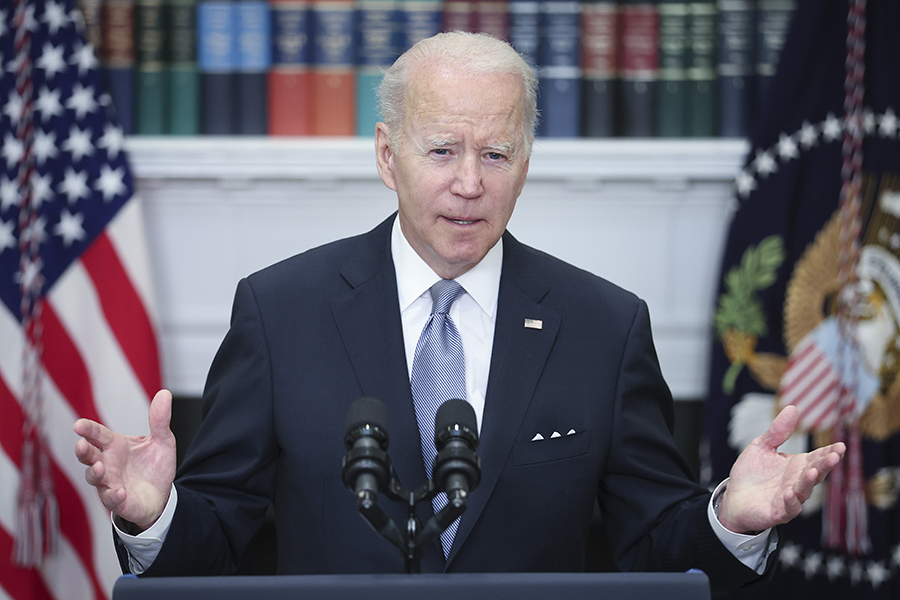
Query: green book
[150, 62]
[182, 74]
[671, 87]
[702, 82]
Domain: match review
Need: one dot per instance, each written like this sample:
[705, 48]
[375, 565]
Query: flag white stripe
[118, 395]
[126, 233]
[62, 572]
[59, 418]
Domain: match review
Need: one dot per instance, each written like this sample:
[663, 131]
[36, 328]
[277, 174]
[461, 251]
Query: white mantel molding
[649, 215]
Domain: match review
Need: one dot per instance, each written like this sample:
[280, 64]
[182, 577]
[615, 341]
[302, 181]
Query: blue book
[254, 44]
[379, 36]
[559, 62]
[524, 28]
[421, 19]
[736, 68]
[217, 62]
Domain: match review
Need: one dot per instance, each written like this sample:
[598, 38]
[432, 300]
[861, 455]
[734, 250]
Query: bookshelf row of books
[631, 68]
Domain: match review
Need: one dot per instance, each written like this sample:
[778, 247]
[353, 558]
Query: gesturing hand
[768, 488]
[133, 474]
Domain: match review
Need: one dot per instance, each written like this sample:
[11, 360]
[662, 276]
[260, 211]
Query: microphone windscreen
[455, 412]
[367, 411]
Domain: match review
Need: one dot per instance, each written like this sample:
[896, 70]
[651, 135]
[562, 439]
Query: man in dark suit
[559, 367]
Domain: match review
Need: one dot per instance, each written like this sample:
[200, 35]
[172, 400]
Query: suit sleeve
[227, 479]
[651, 505]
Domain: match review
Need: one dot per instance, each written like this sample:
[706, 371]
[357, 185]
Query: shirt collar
[414, 276]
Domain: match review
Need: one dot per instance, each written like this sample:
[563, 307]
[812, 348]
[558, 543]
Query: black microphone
[366, 468]
[457, 469]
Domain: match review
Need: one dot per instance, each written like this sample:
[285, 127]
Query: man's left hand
[768, 488]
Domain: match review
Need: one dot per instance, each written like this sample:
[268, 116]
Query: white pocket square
[538, 437]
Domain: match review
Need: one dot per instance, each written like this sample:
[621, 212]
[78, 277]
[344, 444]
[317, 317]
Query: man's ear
[384, 156]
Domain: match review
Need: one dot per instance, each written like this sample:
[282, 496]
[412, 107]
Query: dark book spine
[701, 90]
[736, 72]
[671, 88]
[118, 59]
[254, 43]
[559, 60]
[524, 28]
[290, 78]
[421, 19]
[380, 33]
[183, 89]
[150, 42]
[639, 55]
[599, 46]
[216, 54]
[773, 19]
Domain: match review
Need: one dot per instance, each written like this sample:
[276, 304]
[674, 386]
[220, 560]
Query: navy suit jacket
[313, 333]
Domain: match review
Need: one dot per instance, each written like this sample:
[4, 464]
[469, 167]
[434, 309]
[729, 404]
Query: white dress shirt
[475, 314]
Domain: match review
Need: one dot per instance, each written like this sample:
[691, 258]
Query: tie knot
[443, 294]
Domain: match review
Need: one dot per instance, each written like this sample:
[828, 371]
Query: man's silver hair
[474, 52]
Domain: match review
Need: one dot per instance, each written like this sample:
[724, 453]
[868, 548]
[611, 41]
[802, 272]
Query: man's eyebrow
[501, 147]
[440, 142]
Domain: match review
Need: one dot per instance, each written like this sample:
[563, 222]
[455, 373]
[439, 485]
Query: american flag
[76, 323]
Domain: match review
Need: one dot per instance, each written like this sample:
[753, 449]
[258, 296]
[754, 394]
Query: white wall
[650, 215]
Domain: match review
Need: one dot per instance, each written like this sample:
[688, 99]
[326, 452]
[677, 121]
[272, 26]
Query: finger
[793, 506]
[86, 453]
[781, 428]
[112, 498]
[95, 433]
[161, 414]
[94, 475]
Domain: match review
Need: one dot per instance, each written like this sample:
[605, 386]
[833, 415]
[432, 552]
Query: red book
[290, 76]
[492, 17]
[333, 74]
[459, 15]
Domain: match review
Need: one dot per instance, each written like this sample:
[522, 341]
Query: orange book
[333, 73]
[290, 86]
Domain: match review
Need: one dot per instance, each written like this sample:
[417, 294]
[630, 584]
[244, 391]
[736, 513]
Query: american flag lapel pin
[534, 324]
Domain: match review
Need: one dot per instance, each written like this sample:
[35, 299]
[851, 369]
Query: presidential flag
[808, 308]
[76, 328]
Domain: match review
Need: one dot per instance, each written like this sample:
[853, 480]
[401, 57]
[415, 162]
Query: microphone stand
[411, 541]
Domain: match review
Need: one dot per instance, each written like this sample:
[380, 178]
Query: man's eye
[441, 151]
[495, 156]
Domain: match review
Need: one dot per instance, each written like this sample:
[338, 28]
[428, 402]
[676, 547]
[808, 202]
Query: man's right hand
[133, 474]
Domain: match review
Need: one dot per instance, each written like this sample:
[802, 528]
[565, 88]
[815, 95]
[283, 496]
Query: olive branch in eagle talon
[739, 318]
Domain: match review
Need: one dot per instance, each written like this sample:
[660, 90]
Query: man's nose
[467, 180]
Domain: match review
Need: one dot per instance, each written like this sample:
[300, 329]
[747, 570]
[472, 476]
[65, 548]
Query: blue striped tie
[438, 375]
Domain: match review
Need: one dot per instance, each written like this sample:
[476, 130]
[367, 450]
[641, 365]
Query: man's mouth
[461, 221]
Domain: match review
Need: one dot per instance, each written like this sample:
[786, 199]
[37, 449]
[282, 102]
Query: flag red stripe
[125, 311]
[798, 370]
[18, 583]
[73, 519]
[806, 380]
[66, 367]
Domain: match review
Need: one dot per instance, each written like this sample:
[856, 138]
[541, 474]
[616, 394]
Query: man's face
[460, 165]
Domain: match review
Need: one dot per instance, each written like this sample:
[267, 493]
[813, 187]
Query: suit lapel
[368, 317]
[517, 360]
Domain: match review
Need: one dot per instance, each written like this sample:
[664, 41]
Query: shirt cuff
[752, 550]
[144, 547]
